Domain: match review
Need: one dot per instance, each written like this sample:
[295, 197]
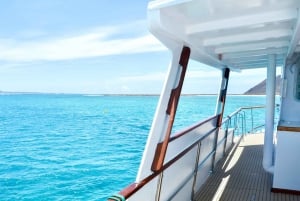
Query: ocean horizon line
[119, 94]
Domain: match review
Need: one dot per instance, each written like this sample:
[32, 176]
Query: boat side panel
[177, 145]
[207, 147]
[229, 141]
[161, 118]
[178, 177]
[220, 145]
[203, 173]
[205, 160]
[146, 190]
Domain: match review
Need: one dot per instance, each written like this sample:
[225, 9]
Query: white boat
[230, 35]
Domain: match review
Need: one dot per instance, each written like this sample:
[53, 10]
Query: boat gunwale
[135, 186]
[192, 127]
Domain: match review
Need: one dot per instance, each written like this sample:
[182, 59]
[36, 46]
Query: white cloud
[99, 42]
[159, 76]
[125, 89]
[203, 74]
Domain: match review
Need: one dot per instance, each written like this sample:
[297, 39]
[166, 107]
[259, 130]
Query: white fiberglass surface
[219, 151]
[178, 145]
[229, 139]
[207, 146]
[218, 31]
[287, 164]
[203, 173]
[178, 175]
[147, 192]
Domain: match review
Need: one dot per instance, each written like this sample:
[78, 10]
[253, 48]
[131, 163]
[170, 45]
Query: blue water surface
[79, 147]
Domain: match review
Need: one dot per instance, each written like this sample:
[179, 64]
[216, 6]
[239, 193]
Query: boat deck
[240, 176]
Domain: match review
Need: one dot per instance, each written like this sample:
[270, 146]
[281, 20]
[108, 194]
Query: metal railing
[251, 119]
[202, 145]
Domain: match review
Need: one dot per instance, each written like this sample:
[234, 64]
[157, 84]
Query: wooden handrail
[189, 129]
[134, 187]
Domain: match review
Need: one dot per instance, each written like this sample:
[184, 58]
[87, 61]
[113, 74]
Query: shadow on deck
[240, 176]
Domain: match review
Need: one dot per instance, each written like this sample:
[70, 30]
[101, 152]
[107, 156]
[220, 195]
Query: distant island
[260, 88]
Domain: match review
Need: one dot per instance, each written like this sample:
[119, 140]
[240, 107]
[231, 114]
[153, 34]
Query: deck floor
[240, 176]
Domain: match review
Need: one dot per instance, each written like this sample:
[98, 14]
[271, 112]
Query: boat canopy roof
[239, 34]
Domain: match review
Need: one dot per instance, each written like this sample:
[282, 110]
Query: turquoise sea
[80, 147]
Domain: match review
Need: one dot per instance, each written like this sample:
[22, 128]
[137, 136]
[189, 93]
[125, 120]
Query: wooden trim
[160, 153]
[286, 191]
[223, 94]
[189, 129]
[222, 100]
[157, 154]
[134, 187]
[287, 128]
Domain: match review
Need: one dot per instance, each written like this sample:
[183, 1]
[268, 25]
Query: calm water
[76, 147]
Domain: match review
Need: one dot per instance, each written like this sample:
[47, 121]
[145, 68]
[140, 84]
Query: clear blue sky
[94, 46]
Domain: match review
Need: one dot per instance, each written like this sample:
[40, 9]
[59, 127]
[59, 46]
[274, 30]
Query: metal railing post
[158, 188]
[196, 170]
[245, 123]
[226, 134]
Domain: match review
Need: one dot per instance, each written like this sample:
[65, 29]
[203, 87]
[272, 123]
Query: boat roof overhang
[239, 34]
